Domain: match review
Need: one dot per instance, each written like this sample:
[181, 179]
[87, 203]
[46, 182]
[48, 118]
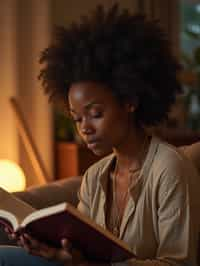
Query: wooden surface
[72, 159]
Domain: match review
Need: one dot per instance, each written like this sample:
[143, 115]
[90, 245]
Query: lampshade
[12, 177]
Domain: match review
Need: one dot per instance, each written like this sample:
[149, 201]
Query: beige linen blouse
[158, 222]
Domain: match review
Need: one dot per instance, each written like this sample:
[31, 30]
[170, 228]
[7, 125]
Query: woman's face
[101, 121]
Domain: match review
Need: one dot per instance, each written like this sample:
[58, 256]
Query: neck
[129, 152]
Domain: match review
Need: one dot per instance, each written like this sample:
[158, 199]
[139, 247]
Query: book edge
[44, 212]
[10, 218]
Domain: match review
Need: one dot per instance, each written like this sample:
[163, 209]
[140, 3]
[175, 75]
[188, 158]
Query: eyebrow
[87, 106]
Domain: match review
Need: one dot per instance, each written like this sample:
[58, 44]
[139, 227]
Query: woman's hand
[11, 235]
[65, 254]
[37, 248]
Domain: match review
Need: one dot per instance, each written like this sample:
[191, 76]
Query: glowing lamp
[12, 177]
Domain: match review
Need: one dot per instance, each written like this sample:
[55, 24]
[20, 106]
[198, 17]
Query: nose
[86, 127]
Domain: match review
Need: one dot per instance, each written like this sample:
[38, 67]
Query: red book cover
[96, 243]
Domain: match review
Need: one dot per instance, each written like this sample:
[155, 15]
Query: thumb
[66, 244]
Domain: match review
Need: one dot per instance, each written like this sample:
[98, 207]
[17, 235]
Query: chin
[100, 152]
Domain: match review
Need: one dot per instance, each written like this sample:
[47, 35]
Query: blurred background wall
[25, 28]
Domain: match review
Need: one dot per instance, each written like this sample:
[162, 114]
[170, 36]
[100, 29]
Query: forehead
[84, 93]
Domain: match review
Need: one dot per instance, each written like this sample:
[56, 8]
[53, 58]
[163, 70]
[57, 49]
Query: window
[190, 54]
[190, 26]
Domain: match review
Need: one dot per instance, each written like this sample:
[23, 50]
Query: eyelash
[78, 120]
[97, 115]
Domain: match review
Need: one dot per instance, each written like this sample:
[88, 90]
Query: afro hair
[127, 53]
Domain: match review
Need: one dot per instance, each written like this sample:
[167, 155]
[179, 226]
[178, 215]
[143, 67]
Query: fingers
[66, 244]
[66, 250]
[32, 242]
[7, 230]
[11, 235]
[35, 247]
[76, 255]
[25, 242]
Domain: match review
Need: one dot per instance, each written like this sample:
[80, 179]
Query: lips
[92, 144]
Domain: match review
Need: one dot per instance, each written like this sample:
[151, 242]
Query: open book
[53, 223]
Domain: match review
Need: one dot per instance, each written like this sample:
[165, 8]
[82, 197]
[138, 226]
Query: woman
[116, 76]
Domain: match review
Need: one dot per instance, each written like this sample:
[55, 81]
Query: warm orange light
[12, 177]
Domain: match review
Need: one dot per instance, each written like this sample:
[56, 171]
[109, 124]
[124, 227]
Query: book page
[37, 214]
[12, 204]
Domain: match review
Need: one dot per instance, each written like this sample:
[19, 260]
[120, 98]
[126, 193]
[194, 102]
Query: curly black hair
[123, 51]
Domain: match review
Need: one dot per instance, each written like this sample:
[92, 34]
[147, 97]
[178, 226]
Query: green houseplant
[64, 127]
[192, 92]
[190, 36]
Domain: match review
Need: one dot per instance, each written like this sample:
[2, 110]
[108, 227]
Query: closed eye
[96, 115]
[77, 120]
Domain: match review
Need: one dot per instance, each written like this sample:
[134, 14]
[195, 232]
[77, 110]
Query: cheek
[116, 134]
[119, 130]
[114, 131]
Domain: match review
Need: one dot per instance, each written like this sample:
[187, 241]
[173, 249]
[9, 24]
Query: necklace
[117, 211]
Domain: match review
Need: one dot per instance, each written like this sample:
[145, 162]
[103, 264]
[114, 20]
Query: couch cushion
[193, 153]
[52, 193]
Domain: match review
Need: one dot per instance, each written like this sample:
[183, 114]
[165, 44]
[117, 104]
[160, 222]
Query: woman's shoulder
[172, 161]
[168, 154]
[171, 168]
